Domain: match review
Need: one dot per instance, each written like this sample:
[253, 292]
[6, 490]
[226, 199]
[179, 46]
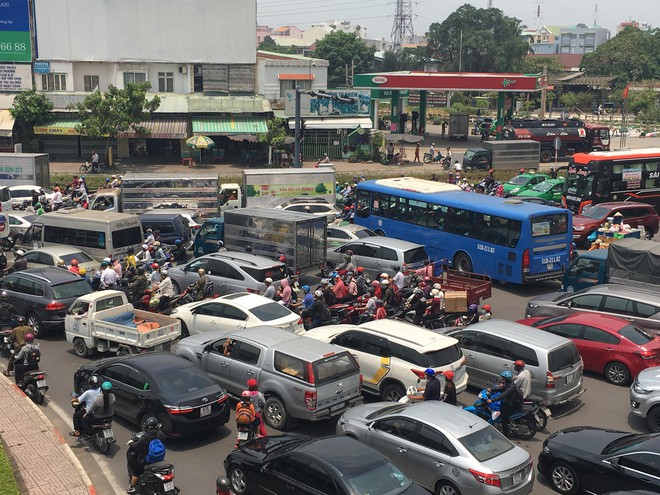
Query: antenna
[490, 4]
[402, 26]
[595, 15]
[539, 19]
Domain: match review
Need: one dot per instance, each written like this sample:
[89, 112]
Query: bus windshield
[577, 184]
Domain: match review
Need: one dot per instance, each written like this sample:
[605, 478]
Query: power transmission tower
[490, 4]
[402, 27]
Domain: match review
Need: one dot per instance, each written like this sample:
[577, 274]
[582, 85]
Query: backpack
[156, 452]
[244, 415]
[208, 288]
[33, 356]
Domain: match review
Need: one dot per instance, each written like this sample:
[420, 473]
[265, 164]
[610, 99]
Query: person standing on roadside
[416, 160]
[95, 161]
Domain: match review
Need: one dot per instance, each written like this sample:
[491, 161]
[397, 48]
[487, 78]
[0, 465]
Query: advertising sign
[316, 106]
[15, 77]
[310, 189]
[15, 43]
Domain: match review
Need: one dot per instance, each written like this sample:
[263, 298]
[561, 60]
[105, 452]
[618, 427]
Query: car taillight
[486, 478]
[525, 261]
[253, 291]
[310, 373]
[420, 374]
[55, 306]
[310, 400]
[646, 354]
[300, 321]
[405, 269]
[549, 380]
[223, 398]
[178, 409]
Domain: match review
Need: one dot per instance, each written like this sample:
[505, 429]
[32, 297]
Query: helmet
[60, 262]
[268, 280]
[149, 230]
[385, 282]
[487, 307]
[82, 271]
[306, 288]
[201, 272]
[93, 381]
[252, 384]
[507, 375]
[334, 274]
[74, 262]
[384, 276]
[157, 244]
[435, 292]
[437, 286]
[3, 295]
[429, 371]
[519, 362]
[246, 395]
[154, 266]
[449, 374]
[151, 425]
[20, 319]
[130, 250]
[29, 337]
[360, 269]
[145, 247]
[20, 252]
[164, 273]
[432, 144]
[324, 281]
[107, 386]
[396, 268]
[473, 307]
[177, 242]
[375, 283]
[318, 293]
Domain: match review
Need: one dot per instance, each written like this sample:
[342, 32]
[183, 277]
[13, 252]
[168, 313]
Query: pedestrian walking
[417, 160]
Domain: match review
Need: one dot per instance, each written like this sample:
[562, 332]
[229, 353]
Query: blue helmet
[429, 371]
[507, 375]
[306, 288]
[177, 242]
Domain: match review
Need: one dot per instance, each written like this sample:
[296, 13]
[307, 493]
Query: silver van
[492, 346]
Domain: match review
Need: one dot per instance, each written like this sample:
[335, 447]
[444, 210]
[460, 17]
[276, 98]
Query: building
[644, 26]
[286, 32]
[278, 73]
[542, 40]
[344, 26]
[581, 38]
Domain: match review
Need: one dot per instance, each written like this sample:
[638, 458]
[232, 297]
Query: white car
[393, 354]
[338, 235]
[19, 194]
[318, 209]
[239, 310]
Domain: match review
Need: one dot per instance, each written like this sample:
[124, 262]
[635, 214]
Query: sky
[378, 15]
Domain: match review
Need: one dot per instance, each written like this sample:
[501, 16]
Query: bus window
[363, 210]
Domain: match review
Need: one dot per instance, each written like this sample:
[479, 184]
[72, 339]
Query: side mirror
[265, 469]
[615, 464]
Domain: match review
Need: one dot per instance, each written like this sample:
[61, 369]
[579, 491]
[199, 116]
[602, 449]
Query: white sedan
[239, 310]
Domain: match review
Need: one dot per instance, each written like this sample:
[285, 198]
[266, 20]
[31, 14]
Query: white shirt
[95, 158]
[108, 277]
[398, 279]
[524, 381]
[166, 288]
[458, 167]
[57, 197]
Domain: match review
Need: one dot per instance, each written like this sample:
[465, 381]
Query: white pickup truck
[106, 321]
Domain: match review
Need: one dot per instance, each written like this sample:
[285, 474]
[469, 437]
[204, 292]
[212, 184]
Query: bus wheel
[462, 262]
[380, 233]
[546, 156]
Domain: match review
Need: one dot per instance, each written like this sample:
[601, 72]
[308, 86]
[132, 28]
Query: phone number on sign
[12, 170]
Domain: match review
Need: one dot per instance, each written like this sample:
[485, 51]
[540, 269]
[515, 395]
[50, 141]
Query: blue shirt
[307, 301]
[88, 396]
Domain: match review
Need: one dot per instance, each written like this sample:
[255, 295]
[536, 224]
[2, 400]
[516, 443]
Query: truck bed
[127, 325]
[477, 286]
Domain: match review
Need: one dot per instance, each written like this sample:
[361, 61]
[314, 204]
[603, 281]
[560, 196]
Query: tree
[276, 133]
[343, 50]
[269, 45]
[402, 60]
[30, 108]
[534, 65]
[631, 55]
[116, 111]
[491, 41]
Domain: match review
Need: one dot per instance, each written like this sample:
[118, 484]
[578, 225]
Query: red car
[634, 214]
[608, 344]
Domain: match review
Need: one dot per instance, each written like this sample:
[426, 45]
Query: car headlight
[579, 228]
[514, 191]
[532, 305]
[639, 390]
[546, 449]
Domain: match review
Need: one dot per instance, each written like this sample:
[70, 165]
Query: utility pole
[402, 26]
[543, 93]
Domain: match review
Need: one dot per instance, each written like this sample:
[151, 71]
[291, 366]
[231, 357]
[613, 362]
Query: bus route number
[488, 249]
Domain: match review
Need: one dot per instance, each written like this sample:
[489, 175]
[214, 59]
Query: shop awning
[334, 123]
[161, 128]
[225, 126]
[6, 123]
[61, 127]
[295, 77]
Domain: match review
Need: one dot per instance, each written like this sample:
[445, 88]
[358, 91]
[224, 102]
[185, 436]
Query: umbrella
[200, 142]
[407, 138]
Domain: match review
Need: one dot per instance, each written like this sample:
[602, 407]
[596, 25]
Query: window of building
[53, 82]
[198, 79]
[291, 85]
[134, 77]
[166, 82]
[91, 83]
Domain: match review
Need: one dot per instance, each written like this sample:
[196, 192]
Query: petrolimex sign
[15, 43]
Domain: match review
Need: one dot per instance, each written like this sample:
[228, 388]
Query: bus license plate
[337, 407]
[549, 266]
[41, 383]
[517, 478]
[169, 486]
[205, 411]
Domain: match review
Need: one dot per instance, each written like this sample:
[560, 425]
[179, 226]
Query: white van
[97, 233]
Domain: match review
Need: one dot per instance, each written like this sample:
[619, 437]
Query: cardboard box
[456, 301]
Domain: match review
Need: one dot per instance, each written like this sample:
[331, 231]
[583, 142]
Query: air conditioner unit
[183, 69]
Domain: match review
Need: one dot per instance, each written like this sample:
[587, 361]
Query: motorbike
[541, 414]
[158, 478]
[93, 168]
[102, 434]
[521, 423]
[34, 384]
[244, 434]
[6, 344]
[445, 161]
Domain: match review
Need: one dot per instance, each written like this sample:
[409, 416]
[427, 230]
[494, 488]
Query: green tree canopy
[269, 45]
[30, 108]
[492, 42]
[631, 55]
[534, 65]
[276, 133]
[341, 50]
[403, 60]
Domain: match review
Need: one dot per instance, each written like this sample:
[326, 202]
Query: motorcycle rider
[7, 310]
[101, 408]
[85, 401]
[449, 392]
[137, 451]
[361, 281]
[318, 312]
[417, 303]
[131, 260]
[245, 412]
[180, 254]
[339, 288]
[485, 313]
[432, 389]
[144, 256]
[165, 289]
[510, 399]
[20, 263]
[21, 363]
[398, 277]
[258, 401]
[347, 265]
[17, 336]
[523, 378]
[138, 285]
[388, 297]
[159, 255]
[199, 286]
[270, 288]
[308, 298]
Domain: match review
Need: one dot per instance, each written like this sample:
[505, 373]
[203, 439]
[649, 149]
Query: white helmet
[385, 282]
[318, 293]
[437, 286]
[435, 292]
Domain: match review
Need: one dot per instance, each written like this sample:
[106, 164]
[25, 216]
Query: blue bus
[505, 238]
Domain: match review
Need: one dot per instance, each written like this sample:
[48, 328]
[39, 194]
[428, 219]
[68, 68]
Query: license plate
[41, 383]
[242, 435]
[108, 433]
[205, 411]
[6, 339]
[168, 486]
[570, 378]
[337, 407]
[517, 477]
[549, 266]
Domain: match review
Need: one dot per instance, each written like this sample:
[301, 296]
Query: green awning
[61, 127]
[223, 126]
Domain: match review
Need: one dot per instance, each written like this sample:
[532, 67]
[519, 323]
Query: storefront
[335, 136]
[236, 137]
[165, 137]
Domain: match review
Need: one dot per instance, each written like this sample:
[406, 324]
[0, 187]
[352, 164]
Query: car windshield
[544, 186]
[270, 311]
[486, 443]
[80, 256]
[184, 381]
[627, 443]
[635, 335]
[468, 155]
[394, 408]
[382, 478]
[518, 180]
[416, 255]
[362, 233]
[75, 288]
[277, 272]
[596, 213]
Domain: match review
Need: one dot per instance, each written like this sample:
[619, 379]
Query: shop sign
[15, 41]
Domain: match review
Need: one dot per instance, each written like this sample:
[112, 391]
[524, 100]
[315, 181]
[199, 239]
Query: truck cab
[589, 268]
[477, 159]
[208, 239]
[229, 197]
[107, 200]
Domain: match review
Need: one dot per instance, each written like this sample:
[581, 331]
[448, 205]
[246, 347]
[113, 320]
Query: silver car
[645, 397]
[338, 235]
[443, 448]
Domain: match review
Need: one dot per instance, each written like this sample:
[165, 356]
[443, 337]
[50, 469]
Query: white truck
[24, 169]
[105, 321]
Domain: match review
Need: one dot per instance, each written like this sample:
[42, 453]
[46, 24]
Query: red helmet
[29, 337]
[360, 269]
[486, 307]
[154, 266]
[246, 395]
[449, 374]
[252, 384]
[74, 262]
[520, 363]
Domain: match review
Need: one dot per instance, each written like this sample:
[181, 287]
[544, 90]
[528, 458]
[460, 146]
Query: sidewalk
[43, 462]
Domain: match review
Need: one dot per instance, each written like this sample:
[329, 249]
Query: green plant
[8, 485]
[29, 108]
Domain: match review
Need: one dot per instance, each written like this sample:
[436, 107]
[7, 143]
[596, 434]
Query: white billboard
[178, 31]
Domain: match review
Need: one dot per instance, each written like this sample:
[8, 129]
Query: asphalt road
[198, 460]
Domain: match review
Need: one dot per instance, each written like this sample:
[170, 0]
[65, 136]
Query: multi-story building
[542, 40]
[581, 38]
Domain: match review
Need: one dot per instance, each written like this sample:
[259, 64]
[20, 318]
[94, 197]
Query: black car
[43, 295]
[298, 464]
[160, 384]
[598, 461]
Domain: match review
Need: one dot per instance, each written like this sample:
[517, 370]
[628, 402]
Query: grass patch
[8, 485]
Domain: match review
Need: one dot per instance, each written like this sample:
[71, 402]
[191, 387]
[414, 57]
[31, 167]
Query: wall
[268, 70]
[105, 71]
[58, 68]
[191, 31]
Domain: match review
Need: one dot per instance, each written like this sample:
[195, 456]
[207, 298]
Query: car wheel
[238, 480]
[35, 322]
[617, 374]
[184, 330]
[176, 287]
[653, 419]
[275, 413]
[393, 392]
[462, 262]
[648, 233]
[80, 348]
[83, 387]
[446, 488]
[564, 478]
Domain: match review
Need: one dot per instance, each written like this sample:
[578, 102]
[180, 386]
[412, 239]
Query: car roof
[408, 334]
[622, 290]
[343, 453]
[253, 259]
[244, 299]
[517, 332]
[160, 215]
[58, 250]
[158, 362]
[49, 274]
[623, 204]
[606, 322]
[387, 242]
[349, 227]
[444, 416]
